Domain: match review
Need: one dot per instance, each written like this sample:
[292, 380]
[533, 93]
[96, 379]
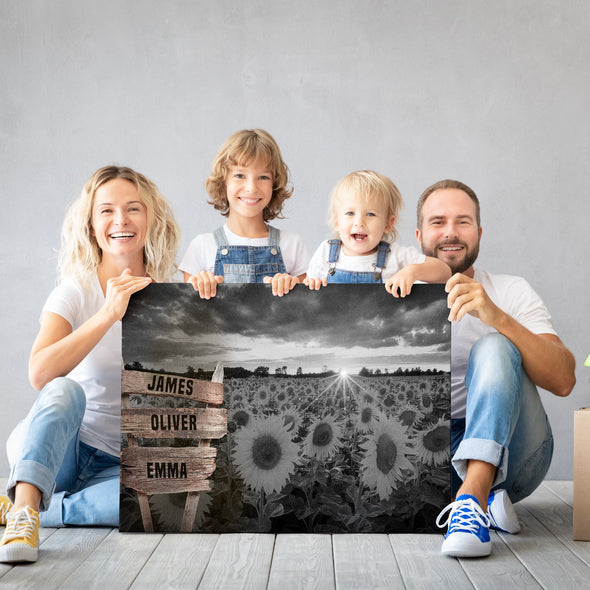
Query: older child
[363, 209]
[249, 183]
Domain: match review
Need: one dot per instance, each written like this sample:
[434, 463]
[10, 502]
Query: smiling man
[503, 346]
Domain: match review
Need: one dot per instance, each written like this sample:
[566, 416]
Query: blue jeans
[505, 422]
[79, 484]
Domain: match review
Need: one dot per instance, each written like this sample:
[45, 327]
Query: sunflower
[426, 403]
[389, 401]
[433, 444]
[240, 417]
[386, 451]
[291, 419]
[323, 439]
[264, 454]
[409, 415]
[366, 418]
[237, 400]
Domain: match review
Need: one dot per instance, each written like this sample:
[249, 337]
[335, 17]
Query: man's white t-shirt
[514, 296]
[99, 373]
[200, 255]
[398, 257]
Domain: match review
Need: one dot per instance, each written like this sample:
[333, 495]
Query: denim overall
[248, 264]
[348, 276]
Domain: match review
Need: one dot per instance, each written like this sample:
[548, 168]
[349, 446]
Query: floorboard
[302, 561]
[543, 555]
[365, 561]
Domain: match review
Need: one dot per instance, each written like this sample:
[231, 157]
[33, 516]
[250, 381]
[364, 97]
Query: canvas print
[321, 411]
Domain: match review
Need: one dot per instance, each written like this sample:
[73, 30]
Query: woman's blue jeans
[505, 423]
[79, 484]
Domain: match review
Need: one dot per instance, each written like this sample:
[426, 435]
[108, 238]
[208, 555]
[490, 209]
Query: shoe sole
[511, 516]
[15, 552]
[459, 546]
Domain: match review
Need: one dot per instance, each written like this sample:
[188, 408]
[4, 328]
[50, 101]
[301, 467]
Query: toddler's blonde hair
[366, 184]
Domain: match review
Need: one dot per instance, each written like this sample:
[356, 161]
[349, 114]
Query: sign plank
[167, 470]
[174, 423]
[171, 386]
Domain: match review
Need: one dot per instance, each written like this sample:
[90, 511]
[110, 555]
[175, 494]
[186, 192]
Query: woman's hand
[58, 349]
[119, 290]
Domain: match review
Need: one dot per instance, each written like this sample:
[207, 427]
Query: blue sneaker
[468, 534]
[501, 513]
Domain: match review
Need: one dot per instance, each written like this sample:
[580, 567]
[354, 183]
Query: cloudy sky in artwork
[340, 327]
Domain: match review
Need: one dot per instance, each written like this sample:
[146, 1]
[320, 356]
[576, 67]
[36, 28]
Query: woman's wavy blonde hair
[80, 254]
[364, 184]
[243, 148]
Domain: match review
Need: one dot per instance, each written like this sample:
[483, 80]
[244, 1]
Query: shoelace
[4, 510]
[22, 525]
[465, 515]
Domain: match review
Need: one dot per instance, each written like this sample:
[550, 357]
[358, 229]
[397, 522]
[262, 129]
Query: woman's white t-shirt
[99, 373]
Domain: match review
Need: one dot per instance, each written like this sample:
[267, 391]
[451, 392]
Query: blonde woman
[118, 237]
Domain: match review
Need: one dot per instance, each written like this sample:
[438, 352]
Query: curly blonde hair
[243, 148]
[364, 184]
[80, 254]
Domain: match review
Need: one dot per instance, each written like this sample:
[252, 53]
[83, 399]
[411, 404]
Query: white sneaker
[468, 534]
[501, 513]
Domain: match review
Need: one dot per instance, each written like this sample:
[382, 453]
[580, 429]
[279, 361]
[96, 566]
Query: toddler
[363, 210]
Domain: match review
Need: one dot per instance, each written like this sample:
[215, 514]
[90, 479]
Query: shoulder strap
[382, 253]
[220, 237]
[274, 236]
[333, 255]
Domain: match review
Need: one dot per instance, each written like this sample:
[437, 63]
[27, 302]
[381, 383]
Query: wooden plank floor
[543, 555]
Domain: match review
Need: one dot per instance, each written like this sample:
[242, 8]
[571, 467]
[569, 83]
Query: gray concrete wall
[493, 93]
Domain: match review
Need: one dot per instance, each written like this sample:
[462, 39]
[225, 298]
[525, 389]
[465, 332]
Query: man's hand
[468, 296]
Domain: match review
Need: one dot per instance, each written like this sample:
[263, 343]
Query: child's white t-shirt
[398, 257]
[200, 255]
[99, 373]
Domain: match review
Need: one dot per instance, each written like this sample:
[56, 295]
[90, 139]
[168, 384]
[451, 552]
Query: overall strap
[382, 252]
[274, 237]
[220, 237]
[333, 255]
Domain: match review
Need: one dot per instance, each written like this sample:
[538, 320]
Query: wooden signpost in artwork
[170, 470]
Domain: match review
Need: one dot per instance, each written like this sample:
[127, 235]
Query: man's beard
[456, 266]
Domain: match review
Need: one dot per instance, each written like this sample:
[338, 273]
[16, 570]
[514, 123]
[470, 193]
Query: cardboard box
[582, 474]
